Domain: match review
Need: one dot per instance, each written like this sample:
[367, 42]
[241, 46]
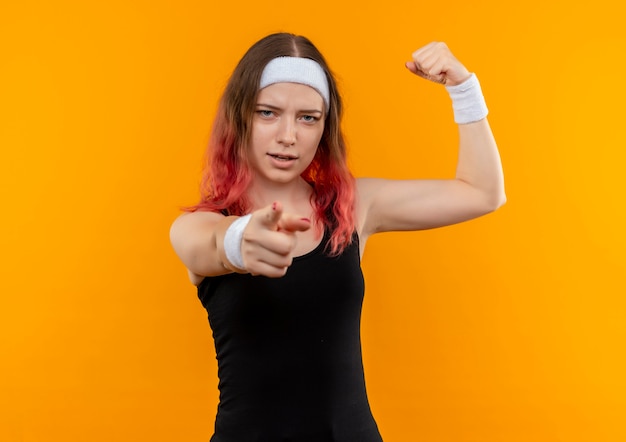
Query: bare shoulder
[190, 224]
[192, 235]
[366, 187]
[195, 219]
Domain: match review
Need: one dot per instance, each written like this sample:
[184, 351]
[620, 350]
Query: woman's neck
[294, 195]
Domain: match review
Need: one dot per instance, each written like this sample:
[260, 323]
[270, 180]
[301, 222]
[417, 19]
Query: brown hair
[227, 175]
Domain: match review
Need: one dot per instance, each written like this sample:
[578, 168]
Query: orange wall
[508, 328]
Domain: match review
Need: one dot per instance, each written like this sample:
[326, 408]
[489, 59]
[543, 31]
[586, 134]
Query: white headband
[296, 70]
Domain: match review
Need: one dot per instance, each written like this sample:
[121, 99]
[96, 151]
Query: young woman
[274, 245]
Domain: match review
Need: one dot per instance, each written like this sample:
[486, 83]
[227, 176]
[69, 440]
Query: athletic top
[289, 352]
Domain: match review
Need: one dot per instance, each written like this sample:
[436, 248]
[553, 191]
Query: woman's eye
[309, 118]
[265, 113]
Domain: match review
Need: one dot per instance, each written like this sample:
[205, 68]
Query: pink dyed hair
[227, 174]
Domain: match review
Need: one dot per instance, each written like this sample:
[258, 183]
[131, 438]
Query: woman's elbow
[495, 200]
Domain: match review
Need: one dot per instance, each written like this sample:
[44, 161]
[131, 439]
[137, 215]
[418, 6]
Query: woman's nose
[287, 132]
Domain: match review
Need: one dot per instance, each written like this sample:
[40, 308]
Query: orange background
[507, 328]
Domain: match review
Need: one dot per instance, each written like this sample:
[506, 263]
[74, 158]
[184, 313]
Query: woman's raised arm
[478, 187]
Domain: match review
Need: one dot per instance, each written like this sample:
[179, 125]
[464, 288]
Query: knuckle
[281, 261]
[279, 246]
[276, 272]
[287, 261]
[286, 244]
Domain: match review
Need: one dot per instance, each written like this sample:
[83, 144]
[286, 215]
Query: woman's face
[286, 130]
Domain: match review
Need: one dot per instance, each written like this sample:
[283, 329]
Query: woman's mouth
[279, 157]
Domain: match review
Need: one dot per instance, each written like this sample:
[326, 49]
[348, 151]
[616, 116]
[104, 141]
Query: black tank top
[289, 352]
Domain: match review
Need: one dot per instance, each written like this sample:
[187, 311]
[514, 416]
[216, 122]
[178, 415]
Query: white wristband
[232, 241]
[468, 102]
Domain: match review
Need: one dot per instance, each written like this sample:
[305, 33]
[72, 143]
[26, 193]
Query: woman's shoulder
[199, 216]
[188, 223]
[368, 184]
[367, 189]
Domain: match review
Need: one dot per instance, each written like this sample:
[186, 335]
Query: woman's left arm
[478, 187]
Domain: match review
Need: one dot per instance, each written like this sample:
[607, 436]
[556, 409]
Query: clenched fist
[436, 63]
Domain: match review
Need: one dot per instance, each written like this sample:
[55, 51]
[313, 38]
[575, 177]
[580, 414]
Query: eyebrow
[305, 111]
